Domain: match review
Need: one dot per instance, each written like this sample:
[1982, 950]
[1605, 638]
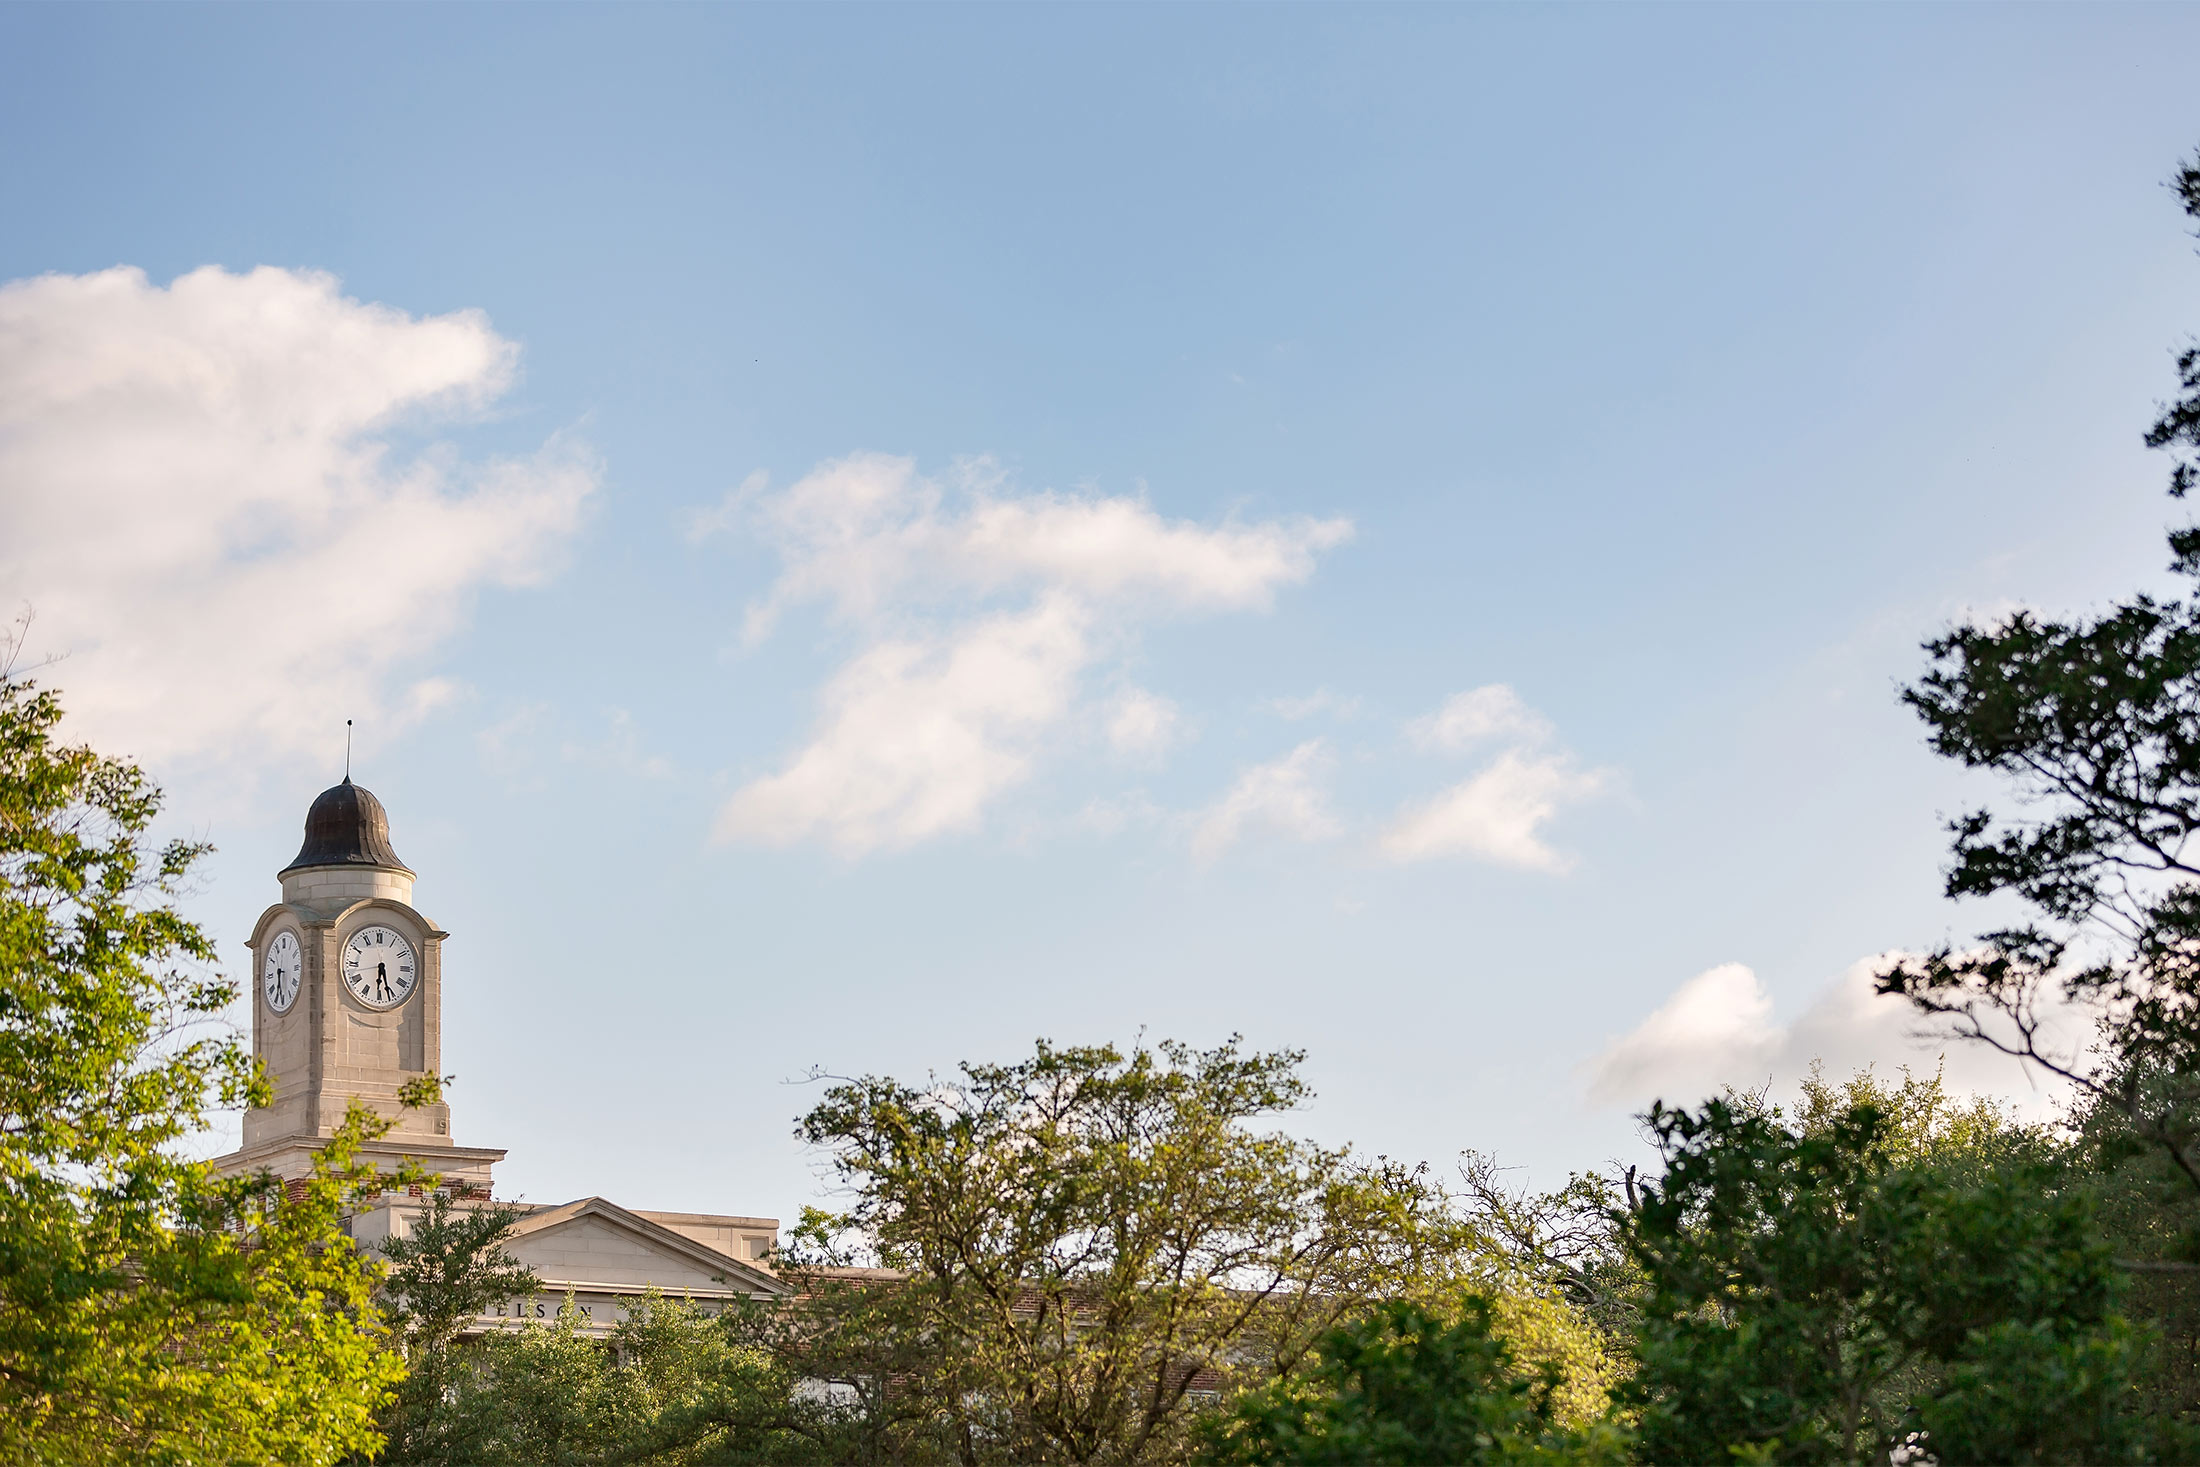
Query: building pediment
[594, 1244]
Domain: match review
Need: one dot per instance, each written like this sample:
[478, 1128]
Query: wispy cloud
[1282, 797]
[620, 749]
[1143, 725]
[867, 535]
[1496, 814]
[1476, 717]
[1113, 815]
[919, 735]
[982, 611]
[507, 745]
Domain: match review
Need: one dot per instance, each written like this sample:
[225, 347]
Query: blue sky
[860, 537]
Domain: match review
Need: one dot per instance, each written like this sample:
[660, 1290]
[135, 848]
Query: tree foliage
[668, 1385]
[1403, 1387]
[439, 1278]
[1089, 1236]
[149, 1311]
[2094, 724]
[1562, 1255]
[1832, 1293]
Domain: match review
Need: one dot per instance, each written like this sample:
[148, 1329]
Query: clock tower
[347, 1002]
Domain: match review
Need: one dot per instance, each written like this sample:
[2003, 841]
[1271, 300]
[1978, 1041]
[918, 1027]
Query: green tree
[1085, 1238]
[668, 1385]
[149, 1311]
[440, 1278]
[2150, 1215]
[1564, 1286]
[534, 1396]
[1836, 1293]
[1921, 1124]
[1403, 1387]
[697, 1388]
[2094, 723]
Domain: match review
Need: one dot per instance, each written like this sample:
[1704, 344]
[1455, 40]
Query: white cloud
[863, 531]
[204, 508]
[1281, 797]
[1719, 1029]
[1478, 716]
[730, 512]
[918, 736]
[1716, 1029]
[1495, 814]
[1143, 725]
[982, 612]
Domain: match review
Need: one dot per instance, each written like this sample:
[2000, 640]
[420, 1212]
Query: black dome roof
[346, 827]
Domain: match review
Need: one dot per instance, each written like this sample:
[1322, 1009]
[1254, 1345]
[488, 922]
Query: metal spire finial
[347, 751]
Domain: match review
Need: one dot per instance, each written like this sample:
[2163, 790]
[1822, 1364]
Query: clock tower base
[463, 1170]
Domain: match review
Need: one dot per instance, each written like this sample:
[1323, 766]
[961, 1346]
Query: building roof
[644, 1254]
[346, 827]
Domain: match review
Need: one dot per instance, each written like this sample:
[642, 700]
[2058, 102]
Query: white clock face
[279, 971]
[379, 967]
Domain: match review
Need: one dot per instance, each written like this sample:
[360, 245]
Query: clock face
[279, 971]
[379, 967]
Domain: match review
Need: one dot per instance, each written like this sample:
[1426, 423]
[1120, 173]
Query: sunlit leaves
[149, 1311]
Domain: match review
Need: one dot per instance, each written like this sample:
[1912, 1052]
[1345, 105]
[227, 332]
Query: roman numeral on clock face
[280, 971]
[379, 966]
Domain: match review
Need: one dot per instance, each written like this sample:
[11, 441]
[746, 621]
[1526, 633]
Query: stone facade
[329, 1048]
[327, 888]
[605, 1258]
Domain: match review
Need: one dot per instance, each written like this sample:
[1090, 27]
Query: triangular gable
[593, 1241]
